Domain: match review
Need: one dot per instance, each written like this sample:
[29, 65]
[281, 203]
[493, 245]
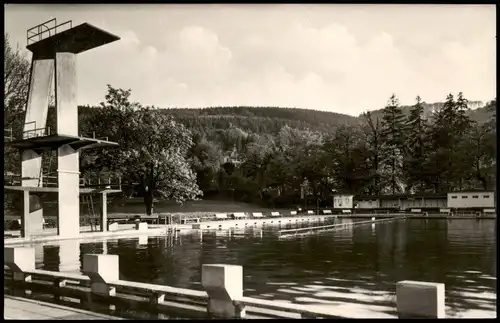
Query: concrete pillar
[68, 161]
[69, 256]
[42, 74]
[224, 285]
[141, 226]
[32, 216]
[31, 163]
[21, 261]
[104, 212]
[420, 299]
[38, 254]
[67, 109]
[143, 240]
[101, 270]
[68, 224]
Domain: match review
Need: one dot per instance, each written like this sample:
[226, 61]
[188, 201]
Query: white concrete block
[143, 240]
[141, 226]
[420, 299]
[223, 283]
[101, 268]
[293, 213]
[19, 259]
[113, 226]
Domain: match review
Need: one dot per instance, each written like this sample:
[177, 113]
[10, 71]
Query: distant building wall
[408, 203]
[471, 199]
[368, 204]
[343, 201]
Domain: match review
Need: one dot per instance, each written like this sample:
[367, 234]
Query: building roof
[472, 191]
[402, 196]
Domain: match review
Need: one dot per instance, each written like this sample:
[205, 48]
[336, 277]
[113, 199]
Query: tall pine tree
[415, 155]
[393, 127]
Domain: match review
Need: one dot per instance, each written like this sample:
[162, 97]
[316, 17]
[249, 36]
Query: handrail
[128, 287]
[223, 284]
[31, 34]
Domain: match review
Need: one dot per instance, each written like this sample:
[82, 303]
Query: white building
[367, 203]
[343, 201]
[462, 200]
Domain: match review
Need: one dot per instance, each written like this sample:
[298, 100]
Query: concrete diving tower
[54, 49]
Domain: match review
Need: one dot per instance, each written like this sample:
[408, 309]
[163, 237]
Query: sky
[332, 57]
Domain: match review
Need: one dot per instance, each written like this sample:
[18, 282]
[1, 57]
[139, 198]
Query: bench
[275, 214]
[221, 216]
[346, 211]
[239, 215]
[327, 211]
[257, 215]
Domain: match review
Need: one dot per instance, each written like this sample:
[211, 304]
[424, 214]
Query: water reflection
[348, 269]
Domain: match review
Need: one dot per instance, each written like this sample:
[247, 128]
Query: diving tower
[54, 48]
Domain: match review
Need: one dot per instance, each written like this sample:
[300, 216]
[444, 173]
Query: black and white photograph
[249, 161]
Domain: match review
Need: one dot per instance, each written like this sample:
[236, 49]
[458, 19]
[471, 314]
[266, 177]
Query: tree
[450, 162]
[415, 156]
[206, 159]
[371, 129]
[16, 84]
[392, 132]
[153, 149]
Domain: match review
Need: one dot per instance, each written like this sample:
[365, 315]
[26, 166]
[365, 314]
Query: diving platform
[45, 40]
[55, 48]
[52, 142]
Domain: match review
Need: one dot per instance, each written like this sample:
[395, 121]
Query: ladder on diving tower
[88, 216]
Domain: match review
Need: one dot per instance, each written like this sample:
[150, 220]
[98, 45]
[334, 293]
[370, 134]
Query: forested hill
[478, 111]
[260, 119]
[271, 119]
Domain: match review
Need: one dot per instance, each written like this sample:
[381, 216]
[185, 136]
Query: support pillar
[69, 256]
[42, 74]
[32, 216]
[101, 269]
[68, 224]
[420, 299]
[224, 286]
[68, 158]
[104, 212]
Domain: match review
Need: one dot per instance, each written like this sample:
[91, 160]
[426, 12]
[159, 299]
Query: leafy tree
[16, 83]
[153, 148]
[371, 129]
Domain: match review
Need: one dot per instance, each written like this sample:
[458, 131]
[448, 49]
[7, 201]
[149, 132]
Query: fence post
[420, 299]
[224, 285]
[101, 270]
[21, 260]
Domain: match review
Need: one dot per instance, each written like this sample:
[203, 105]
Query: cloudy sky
[341, 58]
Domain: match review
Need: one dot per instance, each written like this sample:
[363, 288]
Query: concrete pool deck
[17, 308]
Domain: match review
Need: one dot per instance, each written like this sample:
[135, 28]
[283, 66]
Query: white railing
[222, 298]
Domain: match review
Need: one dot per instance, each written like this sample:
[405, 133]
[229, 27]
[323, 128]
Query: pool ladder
[89, 216]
